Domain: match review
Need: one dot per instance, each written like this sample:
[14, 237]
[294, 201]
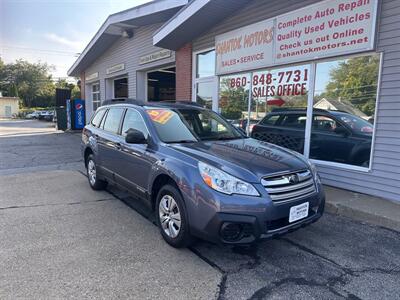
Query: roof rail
[143, 103]
[277, 109]
[123, 100]
[190, 103]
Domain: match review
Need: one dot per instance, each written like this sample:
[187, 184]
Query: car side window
[97, 117]
[294, 121]
[270, 120]
[113, 119]
[103, 119]
[325, 124]
[134, 120]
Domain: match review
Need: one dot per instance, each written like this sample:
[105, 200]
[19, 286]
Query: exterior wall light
[127, 33]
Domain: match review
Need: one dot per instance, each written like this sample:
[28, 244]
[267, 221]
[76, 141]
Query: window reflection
[204, 92]
[344, 108]
[205, 64]
[233, 99]
[279, 100]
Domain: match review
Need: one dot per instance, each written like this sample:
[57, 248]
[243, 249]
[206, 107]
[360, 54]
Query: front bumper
[262, 219]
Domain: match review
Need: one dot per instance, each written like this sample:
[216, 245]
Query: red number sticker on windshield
[161, 116]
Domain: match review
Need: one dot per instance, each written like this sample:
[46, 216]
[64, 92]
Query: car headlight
[225, 183]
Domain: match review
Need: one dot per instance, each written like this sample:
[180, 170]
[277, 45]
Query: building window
[344, 108]
[340, 123]
[205, 64]
[121, 88]
[205, 90]
[282, 89]
[96, 95]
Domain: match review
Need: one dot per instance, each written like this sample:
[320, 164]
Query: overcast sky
[52, 31]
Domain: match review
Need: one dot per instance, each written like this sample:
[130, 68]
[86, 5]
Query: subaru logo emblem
[293, 178]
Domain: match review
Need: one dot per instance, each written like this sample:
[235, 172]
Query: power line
[54, 52]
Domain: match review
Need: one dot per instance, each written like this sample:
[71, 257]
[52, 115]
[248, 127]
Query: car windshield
[357, 124]
[191, 125]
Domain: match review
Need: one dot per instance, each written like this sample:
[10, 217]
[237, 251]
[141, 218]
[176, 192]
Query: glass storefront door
[205, 87]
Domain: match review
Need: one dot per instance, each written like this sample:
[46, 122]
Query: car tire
[171, 217]
[91, 170]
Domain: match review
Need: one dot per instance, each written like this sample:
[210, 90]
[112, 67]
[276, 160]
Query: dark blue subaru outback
[202, 176]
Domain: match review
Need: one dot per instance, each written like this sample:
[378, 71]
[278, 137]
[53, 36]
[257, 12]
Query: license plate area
[298, 212]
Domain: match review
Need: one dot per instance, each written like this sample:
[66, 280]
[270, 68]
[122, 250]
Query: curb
[363, 216]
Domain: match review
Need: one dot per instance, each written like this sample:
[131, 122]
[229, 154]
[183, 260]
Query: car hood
[248, 159]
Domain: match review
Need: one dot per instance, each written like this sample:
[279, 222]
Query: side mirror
[134, 136]
[342, 131]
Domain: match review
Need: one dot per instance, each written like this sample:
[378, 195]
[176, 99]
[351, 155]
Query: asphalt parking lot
[60, 239]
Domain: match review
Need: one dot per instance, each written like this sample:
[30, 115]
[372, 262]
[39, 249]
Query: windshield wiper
[223, 138]
[182, 142]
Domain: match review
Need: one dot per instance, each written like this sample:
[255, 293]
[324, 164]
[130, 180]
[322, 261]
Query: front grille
[290, 186]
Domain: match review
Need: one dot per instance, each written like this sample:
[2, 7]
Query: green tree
[233, 101]
[75, 90]
[32, 82]
[27, 80]
[13, 90]
[355, 80]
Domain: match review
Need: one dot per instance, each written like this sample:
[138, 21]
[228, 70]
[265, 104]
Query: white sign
[115, 68]
[154, 56]
[328, 28]
[245, 48]
[92, 76]
[298, 212]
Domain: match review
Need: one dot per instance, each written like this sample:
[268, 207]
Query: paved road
[334, 258]
[75, 242]
[31, 145]
[60, 239]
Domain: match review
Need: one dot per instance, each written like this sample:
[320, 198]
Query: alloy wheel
[170, 216]
[92, 172]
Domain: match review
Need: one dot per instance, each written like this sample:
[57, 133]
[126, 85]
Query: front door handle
[118, 146]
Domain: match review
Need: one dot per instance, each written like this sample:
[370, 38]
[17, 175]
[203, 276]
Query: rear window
[270, 120]
[113, 120]
[357, 124]
[294, 121]
[97, 117]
